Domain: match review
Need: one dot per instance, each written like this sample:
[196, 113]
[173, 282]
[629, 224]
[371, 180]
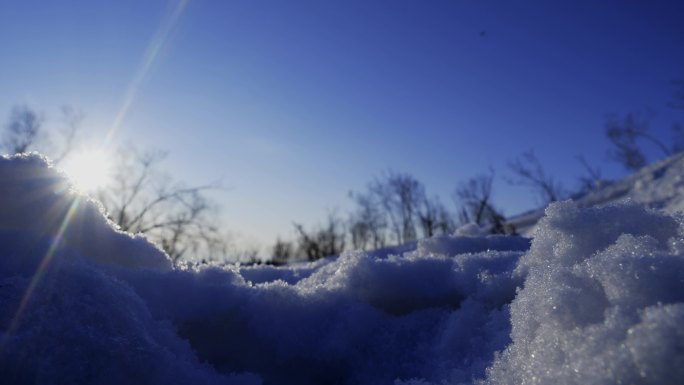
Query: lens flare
[157, 44]
[40, 271]
[88, 170]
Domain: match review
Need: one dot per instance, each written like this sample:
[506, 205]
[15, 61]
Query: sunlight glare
[88, 170]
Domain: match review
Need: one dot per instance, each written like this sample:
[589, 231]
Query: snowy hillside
[596, 298]
[659, 186]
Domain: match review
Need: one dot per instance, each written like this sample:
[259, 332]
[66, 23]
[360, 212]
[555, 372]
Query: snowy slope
[596, 298]
[659, 186]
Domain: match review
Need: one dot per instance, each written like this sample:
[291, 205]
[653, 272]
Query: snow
[659, 186]
[603, 300]
[596, 297]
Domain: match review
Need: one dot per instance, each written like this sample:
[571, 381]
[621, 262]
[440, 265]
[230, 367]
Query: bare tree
[624, 134]
[360, 232]
[141, 199]
[399, 195]
[475, 198]
[283, 251]
[367, 224]
[434, 217]
[592, 180]
[396, 207]
[23, 130]
[529, 171]
[323, 242]
[71, 119]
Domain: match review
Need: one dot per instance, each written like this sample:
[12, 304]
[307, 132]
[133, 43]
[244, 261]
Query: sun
[88, 170]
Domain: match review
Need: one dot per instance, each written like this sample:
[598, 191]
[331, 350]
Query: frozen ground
[597, 297]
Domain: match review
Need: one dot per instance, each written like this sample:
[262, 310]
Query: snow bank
[598, 298]
[602, 303]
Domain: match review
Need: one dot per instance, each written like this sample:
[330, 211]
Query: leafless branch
[141, 199]
[23, 130]
[72, 122]
[624, 133]
[529, 171]
[593, 178]
[475, 199]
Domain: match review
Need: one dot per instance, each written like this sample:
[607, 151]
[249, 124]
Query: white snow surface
[597, 297]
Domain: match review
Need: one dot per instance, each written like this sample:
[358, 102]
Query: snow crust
[597, 297]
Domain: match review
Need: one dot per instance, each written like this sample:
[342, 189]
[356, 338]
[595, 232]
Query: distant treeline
[394, 209]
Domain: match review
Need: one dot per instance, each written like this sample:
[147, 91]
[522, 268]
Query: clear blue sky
[294, 103]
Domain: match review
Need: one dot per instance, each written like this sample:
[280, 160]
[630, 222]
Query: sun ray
[40, 271]
[158, 42]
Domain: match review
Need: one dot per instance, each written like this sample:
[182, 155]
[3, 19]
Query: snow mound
[66, 318]
[597, 298]
[602, 303]
[37, 201]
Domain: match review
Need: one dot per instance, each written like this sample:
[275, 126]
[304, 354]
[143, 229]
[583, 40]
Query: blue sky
[292, 104]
